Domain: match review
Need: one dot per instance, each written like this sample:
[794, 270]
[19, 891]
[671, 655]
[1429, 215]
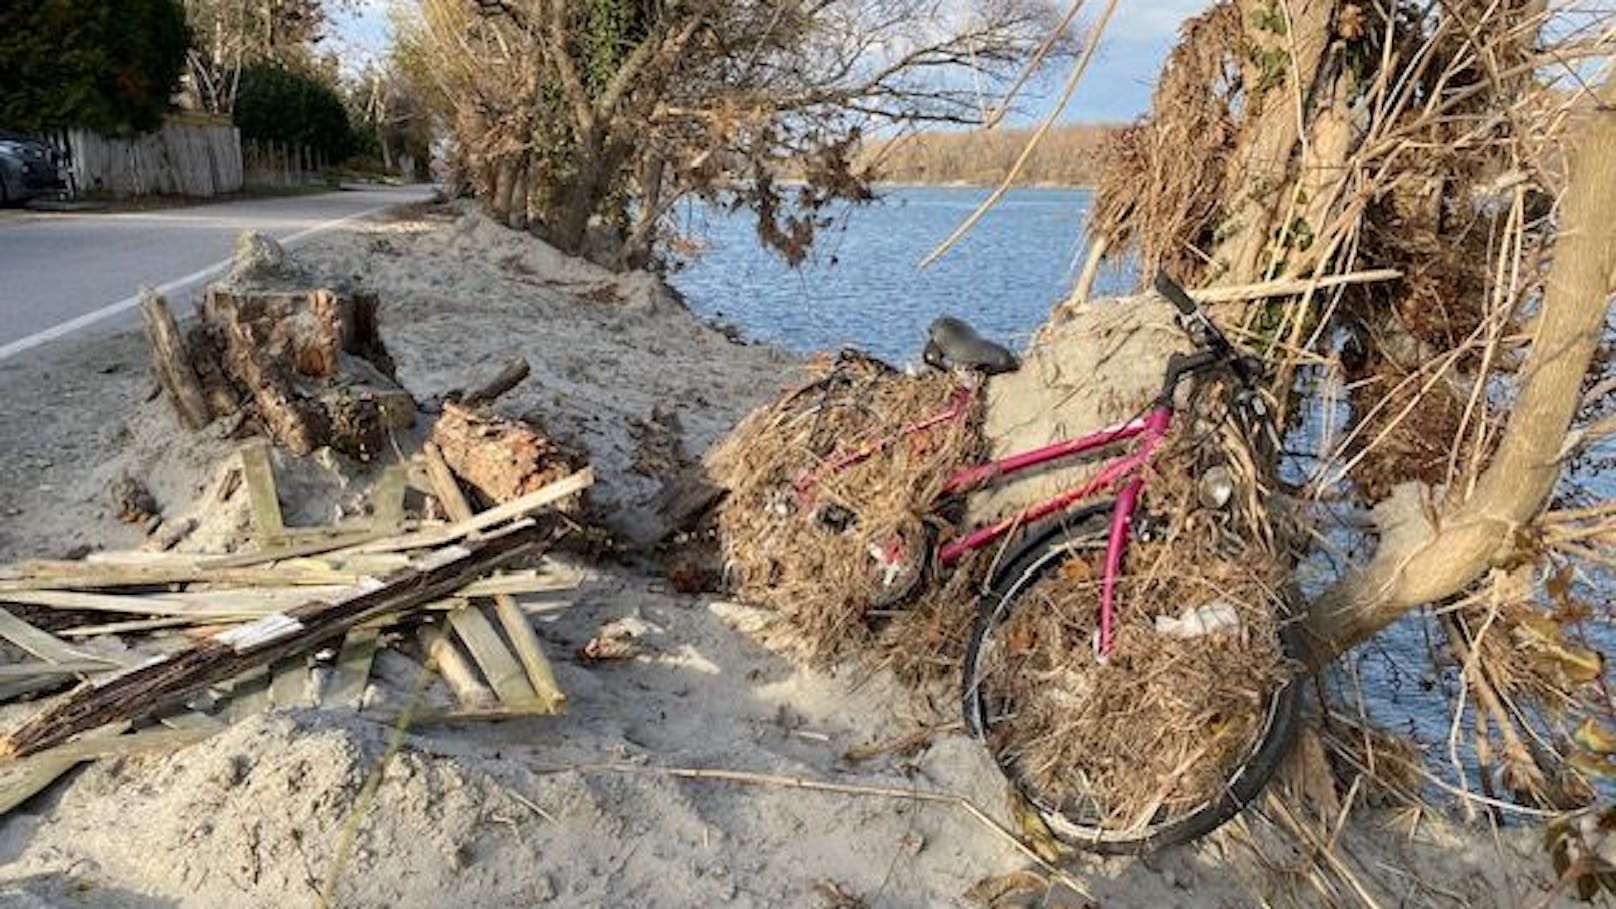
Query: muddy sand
[594, 808]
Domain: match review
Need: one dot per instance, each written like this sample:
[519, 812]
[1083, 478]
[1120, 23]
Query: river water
[863, 287]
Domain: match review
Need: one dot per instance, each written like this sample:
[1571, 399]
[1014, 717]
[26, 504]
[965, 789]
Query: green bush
[108, 65]
[280, 104]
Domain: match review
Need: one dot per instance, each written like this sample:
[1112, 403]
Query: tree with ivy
[108, 65]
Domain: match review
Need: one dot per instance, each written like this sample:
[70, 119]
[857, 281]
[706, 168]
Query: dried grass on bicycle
[775, 555]
[1164, 721]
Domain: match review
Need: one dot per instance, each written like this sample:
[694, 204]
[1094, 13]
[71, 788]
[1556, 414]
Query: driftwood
[309, 365]
[502, 459]
[508, 377]
[173, 363]
[518, 628]
[166, 682]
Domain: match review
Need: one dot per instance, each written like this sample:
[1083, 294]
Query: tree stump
[309, 366]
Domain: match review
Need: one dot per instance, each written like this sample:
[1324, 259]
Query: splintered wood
[250, 624]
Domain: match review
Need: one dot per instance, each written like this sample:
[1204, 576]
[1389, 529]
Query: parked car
[28, 168]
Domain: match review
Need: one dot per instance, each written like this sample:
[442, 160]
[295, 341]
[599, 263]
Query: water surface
[862, 285]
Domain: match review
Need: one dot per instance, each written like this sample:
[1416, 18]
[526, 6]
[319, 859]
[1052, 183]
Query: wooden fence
[183, 158]
[281, 164]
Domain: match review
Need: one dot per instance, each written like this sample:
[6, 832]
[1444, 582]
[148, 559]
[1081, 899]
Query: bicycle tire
[1043, 552]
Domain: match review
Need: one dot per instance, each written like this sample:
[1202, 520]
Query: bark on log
[311, 365]
[153, 686]
[502, 459]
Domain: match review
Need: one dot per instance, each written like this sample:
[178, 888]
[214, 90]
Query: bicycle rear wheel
[1004, 676]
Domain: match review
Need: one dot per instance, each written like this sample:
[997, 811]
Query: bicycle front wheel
[1157, 744]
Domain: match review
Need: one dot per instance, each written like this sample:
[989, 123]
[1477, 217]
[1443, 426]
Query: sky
[1115, 88]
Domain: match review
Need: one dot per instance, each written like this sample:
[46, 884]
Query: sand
[575, 810]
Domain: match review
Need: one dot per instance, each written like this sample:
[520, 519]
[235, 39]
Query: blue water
[862, 285]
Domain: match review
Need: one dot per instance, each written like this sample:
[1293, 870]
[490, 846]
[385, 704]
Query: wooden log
[168, 681]
[502, 459]
[172, 362]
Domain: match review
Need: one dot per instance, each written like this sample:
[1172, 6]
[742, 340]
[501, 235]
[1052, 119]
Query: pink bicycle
[1070, 525]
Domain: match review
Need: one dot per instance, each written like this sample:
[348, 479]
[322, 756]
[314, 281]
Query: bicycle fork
[1121, 520]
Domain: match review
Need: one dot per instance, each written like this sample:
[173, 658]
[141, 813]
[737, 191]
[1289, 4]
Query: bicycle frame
[1148, 430]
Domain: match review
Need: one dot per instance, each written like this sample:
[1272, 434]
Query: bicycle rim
[1075, 820]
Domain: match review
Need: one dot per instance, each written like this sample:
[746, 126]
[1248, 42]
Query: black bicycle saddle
[950, 343]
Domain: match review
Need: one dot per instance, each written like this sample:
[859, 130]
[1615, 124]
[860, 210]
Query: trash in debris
[1209, 618]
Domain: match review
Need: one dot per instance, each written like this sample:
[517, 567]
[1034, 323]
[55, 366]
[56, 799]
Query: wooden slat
[525, 506]
[289, 685]
[259, 475]
[165, 682]
[43, 644]
[387, 500]
[249, 697]
[81, 576]
[22, 779]
[511, 617]
[16, 671]
[347, 685]
[454, 667]
[501, 670]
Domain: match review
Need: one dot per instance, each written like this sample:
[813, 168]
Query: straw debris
[821, 579]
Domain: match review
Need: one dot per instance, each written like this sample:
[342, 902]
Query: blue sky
[1116, 87]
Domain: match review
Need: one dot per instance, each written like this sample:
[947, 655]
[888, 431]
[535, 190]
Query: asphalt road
[64, 273]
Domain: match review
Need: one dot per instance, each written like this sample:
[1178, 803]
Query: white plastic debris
[1209, 618]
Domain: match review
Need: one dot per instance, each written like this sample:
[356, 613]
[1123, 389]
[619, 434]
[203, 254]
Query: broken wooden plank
[493, 517]
[42, 575]
[387, 500]
[169, 680]
[43, 644]
[295, 544]
[249, 696]
[515, 622]
[452, 665]
[501, 670]
[171, 361]
[352, 675]
[259, 473]
[289, 683]
[509, 376]
[25, 778]
[10, 672]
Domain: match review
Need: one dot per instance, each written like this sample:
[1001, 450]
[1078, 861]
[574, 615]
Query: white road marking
[63, 329]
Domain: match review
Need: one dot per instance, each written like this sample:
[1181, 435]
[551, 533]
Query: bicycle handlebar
[1205, 332]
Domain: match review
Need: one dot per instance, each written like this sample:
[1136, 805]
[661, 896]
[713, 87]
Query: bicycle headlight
[1216, 487]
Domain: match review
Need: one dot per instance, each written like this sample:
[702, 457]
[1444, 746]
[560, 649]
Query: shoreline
[249, 817]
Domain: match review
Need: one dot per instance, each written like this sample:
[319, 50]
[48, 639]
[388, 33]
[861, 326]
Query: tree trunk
[1420, 559]
[1280, 73]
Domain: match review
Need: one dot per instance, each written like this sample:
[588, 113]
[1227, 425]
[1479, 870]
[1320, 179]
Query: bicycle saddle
[950, 343]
